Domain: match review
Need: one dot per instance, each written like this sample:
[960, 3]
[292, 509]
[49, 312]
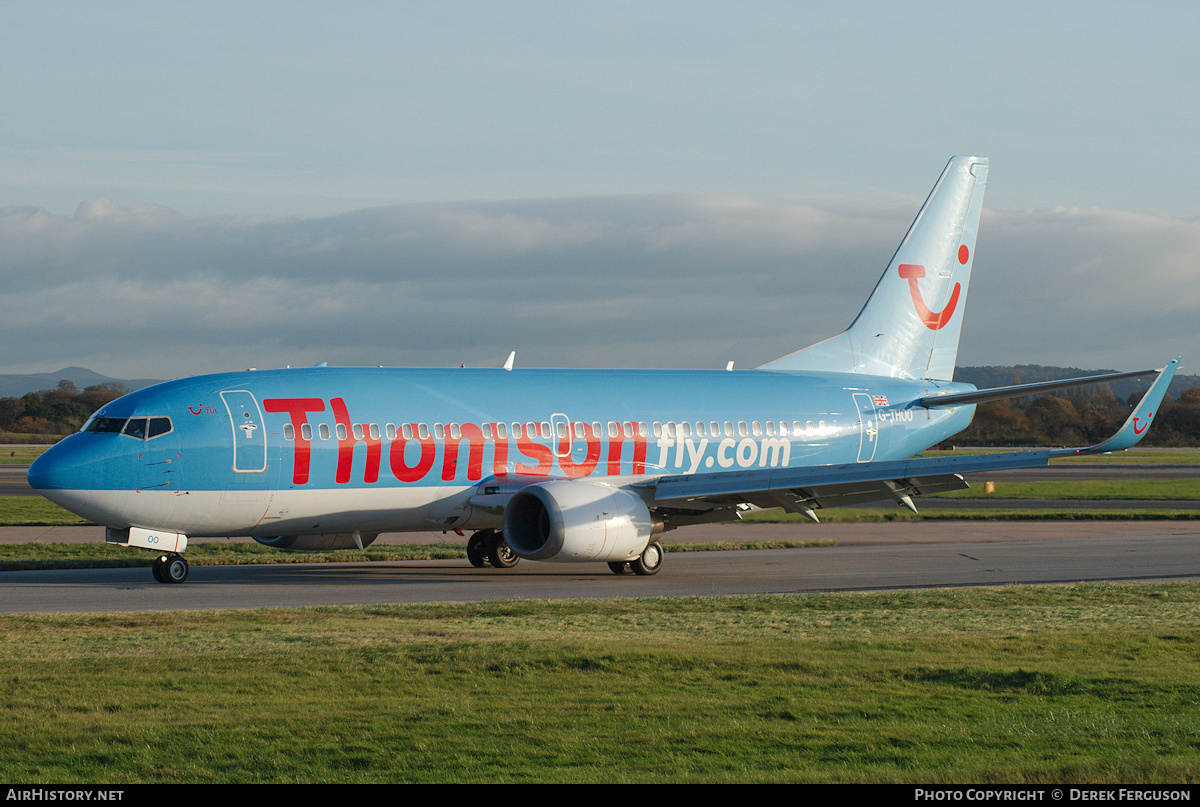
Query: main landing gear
[489, 546]
[170, 568]
[647, 564]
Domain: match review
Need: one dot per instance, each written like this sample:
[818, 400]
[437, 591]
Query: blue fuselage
[257, 452]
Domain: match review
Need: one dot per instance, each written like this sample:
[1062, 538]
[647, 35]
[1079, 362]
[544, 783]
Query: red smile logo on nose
[934, 320]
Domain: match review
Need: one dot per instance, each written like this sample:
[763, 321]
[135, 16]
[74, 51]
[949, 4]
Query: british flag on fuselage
[561, 465]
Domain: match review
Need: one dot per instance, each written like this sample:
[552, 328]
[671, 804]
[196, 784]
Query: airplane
[562, 465]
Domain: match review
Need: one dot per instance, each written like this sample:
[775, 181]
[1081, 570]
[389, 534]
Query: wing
[697, 498]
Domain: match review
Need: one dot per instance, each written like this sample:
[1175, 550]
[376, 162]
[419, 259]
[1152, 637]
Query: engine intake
[571, 520]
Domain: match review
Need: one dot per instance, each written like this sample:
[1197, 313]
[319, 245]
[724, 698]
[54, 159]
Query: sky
[199, 187]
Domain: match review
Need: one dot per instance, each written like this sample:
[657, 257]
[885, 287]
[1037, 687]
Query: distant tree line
[1080, 417]
[59, 411]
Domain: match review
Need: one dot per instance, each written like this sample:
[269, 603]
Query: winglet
[1138, 422]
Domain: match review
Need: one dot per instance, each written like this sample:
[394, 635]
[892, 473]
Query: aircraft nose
[59, 468]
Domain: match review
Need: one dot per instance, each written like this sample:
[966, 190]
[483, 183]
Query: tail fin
[910, 325]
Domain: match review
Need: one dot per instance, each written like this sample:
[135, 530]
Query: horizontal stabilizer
[1020, 390]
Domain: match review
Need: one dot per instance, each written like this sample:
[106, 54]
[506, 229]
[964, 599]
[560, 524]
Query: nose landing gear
[170, 569]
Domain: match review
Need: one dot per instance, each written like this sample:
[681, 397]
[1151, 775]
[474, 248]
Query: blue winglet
[1130, 434]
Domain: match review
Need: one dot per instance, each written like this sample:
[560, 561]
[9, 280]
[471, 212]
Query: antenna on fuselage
[508, 363]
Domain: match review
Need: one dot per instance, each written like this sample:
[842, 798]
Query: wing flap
[803, 490]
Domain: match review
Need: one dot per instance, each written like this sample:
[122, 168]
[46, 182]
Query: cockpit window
[103, 424]
[137, 428]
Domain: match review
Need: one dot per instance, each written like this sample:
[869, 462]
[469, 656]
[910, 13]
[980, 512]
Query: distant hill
[984, 377]
[14, 386]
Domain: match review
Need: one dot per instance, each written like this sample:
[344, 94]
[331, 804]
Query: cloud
[666, 281]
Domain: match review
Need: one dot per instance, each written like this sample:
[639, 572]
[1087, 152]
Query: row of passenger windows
[140, 428]
[502, 431]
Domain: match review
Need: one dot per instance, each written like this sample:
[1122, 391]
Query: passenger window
[306, 431]
[289, 433]
[323, 430]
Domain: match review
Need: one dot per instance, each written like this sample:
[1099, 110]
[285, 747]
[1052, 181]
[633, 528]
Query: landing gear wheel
[170, 569]
[500, 554]
[477, 547]
[618, 566]
[650, 561]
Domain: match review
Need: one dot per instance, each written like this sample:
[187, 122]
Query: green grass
[1132, 456]
[34, 511]
[20, 455]
[1095, 490]
[1081, 684]
[998, 513]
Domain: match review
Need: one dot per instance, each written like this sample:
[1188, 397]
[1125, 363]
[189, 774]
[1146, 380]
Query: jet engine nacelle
[571, 520]
[319, 542]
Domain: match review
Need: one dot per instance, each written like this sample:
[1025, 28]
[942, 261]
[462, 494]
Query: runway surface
[867, 557]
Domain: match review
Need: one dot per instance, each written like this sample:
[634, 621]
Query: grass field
[1081, 684]
[20, 455]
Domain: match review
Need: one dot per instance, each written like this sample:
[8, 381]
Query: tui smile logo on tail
[934, 320]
